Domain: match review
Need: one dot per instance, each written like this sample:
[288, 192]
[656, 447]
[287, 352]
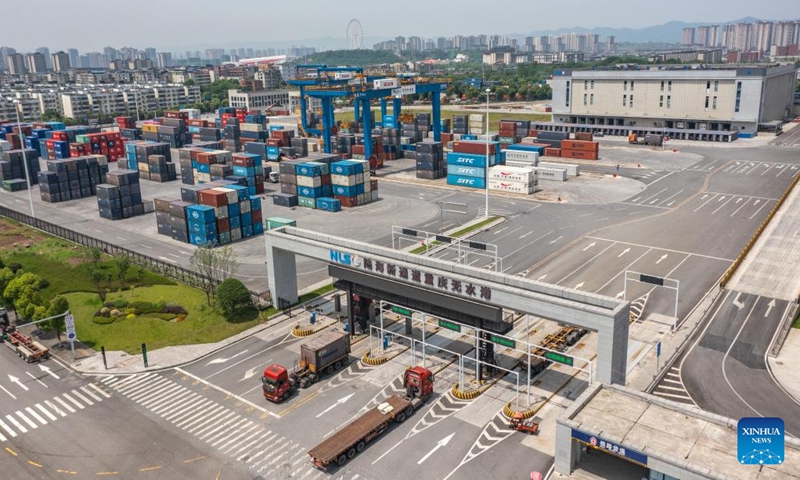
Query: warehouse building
[636, 435]
[259, 99]
[674, 98]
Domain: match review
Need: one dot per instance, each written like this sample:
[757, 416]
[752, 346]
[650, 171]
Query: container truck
[321, 355]
[353, 438]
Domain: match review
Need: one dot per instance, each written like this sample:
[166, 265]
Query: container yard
[121, 197]
[72, 178]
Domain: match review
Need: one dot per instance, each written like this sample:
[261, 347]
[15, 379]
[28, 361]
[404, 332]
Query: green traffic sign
[558, 357]
[401, 310]
[506, 342]
[450, 325]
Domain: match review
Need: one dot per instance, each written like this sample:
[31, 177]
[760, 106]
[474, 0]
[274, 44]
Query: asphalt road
[54, 423]
[725, 370]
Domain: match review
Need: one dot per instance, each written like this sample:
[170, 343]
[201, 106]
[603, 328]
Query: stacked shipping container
[121, 197]
[72, 178]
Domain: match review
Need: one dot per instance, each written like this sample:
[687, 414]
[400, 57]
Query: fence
[167, 269]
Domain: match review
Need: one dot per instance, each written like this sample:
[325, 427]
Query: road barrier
[732, 269]
[167, 269]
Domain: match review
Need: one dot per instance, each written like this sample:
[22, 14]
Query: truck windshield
[269, 381]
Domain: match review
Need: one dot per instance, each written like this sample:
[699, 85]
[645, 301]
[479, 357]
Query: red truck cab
[419, 381]
[276, 384]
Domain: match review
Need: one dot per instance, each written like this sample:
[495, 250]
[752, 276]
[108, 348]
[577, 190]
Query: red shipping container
[583, 136]
[475, 147]
[347, 202]
[223, 225]
[533, 133]
[259, 188]
[212, 198]
[582, 154]
[358, 149]
[580, 145]
[257, 216]
[552, 152]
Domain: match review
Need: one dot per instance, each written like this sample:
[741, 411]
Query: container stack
[232, 133]
[351, 183]
[512, 131]
[172, 129]
[251, 169]
[583, 149]
[121, 197]
[171, 219]
[390, 139]
[138, 155]
[109, 144]
[477, 124]
[72, 178]
[513, 179]
[460, 124]
[313, 182]
[430, 160]
[158, 169]
[467, 163]
[12, 167]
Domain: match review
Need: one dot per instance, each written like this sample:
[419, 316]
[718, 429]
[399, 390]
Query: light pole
[17, 105]
[486, 174]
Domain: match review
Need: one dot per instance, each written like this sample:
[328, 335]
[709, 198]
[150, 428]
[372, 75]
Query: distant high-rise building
[36, 63]
[4, 53]
[164, 59]
[150, 53]
[74, 57]
[611, 44]
[60, 62]
[687, 38]
[111, 54]
[16, 64]
[46, 52]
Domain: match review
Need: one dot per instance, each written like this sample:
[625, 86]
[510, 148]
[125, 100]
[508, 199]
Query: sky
[89, 25]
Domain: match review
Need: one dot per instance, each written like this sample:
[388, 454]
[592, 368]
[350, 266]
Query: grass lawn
[203, 324]
[494, 117]
[796, 323]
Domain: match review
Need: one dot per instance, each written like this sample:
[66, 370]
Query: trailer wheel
[409, 411]
[360, 446]
[400, 418]
[313, 377]
[329, 370]
[337, 365]
[341, 460]
[351, 453]
[305, 382]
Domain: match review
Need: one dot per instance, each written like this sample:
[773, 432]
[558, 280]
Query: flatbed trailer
[354, 437]
[25, 347]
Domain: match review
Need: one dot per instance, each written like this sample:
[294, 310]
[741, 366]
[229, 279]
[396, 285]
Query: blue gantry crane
[316, 82]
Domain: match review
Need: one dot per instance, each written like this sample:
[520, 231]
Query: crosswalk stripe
[189, 410]
[265, 442]
[156, 392]
[2, 438]
[234, 427]
[73, 401]
[46, 412]
[14, 422]
[253, 439]
[108, 380]
[55, 407]
[147, 389]
[129, 381]
[175, 396]
[139, 383]
[166, 410]
[224, 423]
[218, 412]
[81, 397]
[99, 390]
[36, 416]
[65, 405]
[199, 415]
[204, 428]
[26, 419]
[246, 432]
[91, 394]
[272, 452]
[8, 429]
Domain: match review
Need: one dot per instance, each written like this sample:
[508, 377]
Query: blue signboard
[761, 441]
[607, 446]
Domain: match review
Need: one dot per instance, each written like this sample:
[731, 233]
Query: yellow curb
[297, 331]
[526, 414]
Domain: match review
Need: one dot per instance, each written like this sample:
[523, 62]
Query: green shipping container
[507, 139]
[277, 222]
[307, 202]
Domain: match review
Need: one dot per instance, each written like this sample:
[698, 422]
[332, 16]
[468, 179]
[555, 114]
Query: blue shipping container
[522, 147]
[235, 222]
[200, 213]
[329, 204]
[203, 239]
[309, 191]
[241, 191]
[309, 170]
[233, 208]
[247, 219]
[343, 191]
[471, 182]
[466, 171]
[346, 167]
[469, 159]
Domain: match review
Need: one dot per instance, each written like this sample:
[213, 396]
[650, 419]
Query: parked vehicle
[521, 425]
[353, 438]
[321, 355]
[23, 345]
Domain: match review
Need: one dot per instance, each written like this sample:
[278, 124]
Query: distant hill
[353, 58]
[666, 32]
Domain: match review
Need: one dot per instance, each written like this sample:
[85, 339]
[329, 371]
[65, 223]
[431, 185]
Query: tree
[213, 266]
[189, 82]
[232, 295]
[123, 262]
[58, 305]
[96, 254]
[6, 275]
[24, 292]
[51, 116]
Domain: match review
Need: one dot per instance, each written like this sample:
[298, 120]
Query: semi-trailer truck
[343, 445]
[324, 354]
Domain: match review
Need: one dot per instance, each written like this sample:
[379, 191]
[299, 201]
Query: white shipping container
[344, 180]
[551, 174]
[343, 75]
[374, 195]
[251, 127]
[520, 163]
[386, 83]
[572, 170]
[236, 234]
[244, 206]
[473, 117]
[313, 182]
[513, 187]
[221, 212]
[522, 156]
[4, 146]
[194, 114]
[512, 174]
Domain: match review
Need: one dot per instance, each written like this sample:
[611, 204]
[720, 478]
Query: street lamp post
[486, 175]
[17, 106]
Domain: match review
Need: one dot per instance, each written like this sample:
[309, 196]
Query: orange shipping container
[552, 152]
[583, 136]
[582, 154]
[580, 145]
[212, 198]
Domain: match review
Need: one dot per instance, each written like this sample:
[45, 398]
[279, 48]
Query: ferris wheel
[355, 35]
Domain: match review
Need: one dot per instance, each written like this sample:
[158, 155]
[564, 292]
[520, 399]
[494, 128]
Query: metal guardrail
[167, 269]
[732, 269]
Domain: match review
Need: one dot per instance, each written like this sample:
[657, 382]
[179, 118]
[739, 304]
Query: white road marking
[662, 249]
[740, 207]
[662, 258]
[46, 412]
[14, 422]
[672, 196]
[7, 429]
[624, 252]
[721, 206]
[145, 246]
[557, 239]
[759, 209]
[72, 400]
[33, 377]
[36, 416]
[27, 420]
[9, 393]
[703, 205]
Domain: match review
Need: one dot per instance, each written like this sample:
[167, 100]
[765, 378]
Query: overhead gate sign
[404, 90]
[610, 447]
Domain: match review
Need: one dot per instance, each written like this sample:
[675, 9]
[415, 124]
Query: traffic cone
[559, 199]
